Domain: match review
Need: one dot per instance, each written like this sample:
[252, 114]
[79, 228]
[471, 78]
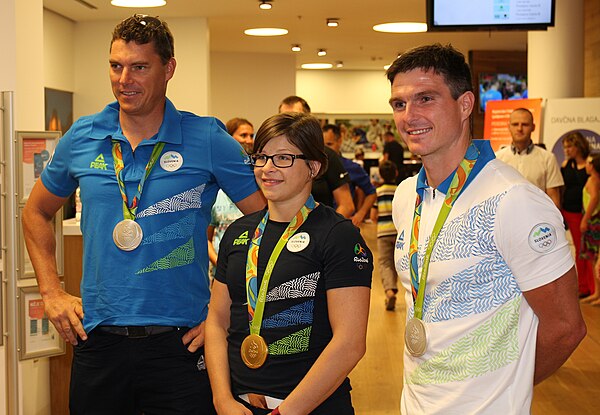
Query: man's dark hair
[292, 99]
[143, 29]
[334, 128]
[388, 171]
[442, 60]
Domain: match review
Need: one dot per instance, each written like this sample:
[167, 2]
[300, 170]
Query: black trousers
[117, 375]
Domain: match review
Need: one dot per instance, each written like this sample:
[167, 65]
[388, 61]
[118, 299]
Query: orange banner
[497, 115]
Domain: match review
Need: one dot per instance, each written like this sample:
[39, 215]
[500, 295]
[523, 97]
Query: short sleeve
[347, 259]
[57, 176]
[531, 238]
[554, 178]
[336, 174]
[231, 165]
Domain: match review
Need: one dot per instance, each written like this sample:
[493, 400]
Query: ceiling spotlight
[265, 5]
[296, 48]
[321, 52]
[401, 27]
[138, 3]
[266, 31]
[316, 66]
[333, 22]
[339, 64]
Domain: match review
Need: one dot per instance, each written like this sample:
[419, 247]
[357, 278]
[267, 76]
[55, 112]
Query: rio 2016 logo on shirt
[400, 241]
[360, 254]
[542, 237]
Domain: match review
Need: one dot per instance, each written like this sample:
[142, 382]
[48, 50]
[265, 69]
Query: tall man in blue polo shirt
[148, 176]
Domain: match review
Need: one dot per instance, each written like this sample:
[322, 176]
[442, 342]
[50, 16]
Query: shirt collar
[527, 150]
[486, 154]
[106, 125]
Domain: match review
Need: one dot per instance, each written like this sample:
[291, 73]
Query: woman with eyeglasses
[288, 314]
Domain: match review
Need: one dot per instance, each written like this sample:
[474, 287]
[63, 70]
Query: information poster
[561, 116]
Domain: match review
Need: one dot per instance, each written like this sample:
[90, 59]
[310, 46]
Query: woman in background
[290, 301]
[574, 173]
[590, 223]
[224, 211]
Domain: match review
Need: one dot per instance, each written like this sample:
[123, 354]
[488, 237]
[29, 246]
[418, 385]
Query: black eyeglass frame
[272, 158]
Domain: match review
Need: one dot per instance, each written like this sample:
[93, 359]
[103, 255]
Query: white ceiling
[353, 42]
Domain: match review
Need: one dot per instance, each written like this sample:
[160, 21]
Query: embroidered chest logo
[400, 241]
[242, 239]
[98, 163]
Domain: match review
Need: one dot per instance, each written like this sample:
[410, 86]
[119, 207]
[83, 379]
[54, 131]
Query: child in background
[386, 232]
[590, 223]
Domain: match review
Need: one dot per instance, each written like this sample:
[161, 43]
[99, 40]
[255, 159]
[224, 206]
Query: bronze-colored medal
[127, 235]
[415, 337]
[254, 351]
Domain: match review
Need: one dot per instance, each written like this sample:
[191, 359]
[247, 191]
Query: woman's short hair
[577, 139]
[301, 130]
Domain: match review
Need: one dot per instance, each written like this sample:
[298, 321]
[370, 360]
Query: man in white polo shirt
[536, 164]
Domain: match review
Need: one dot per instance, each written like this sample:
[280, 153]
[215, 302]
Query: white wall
[345, 92]
[250, 85]
[59, 60]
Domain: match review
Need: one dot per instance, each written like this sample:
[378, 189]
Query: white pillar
[555, 56]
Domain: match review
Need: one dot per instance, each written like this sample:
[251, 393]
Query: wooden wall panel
[591, 61]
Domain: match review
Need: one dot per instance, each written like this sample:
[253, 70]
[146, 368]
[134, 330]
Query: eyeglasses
[279, 160]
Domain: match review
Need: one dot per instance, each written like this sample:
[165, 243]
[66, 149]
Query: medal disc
[127, 235]
[254, 351]
[415, 337]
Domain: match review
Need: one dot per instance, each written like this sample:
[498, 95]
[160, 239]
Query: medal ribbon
[130, 211]
[256, 304]
[456, 186]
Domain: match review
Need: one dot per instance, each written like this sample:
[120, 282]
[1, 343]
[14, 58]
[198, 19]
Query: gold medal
[254, 351]
[127, 235]
[415, 337]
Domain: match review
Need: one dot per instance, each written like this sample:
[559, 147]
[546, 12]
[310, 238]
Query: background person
[144, 288]
[386, 232]
[535, 163]
[321, 276]
[590, 223]
[363, 191]
[332, 188]
[224, 211]
[574, 174]
[482, 255]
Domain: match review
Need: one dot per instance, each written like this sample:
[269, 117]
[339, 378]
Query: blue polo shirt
[164, 281]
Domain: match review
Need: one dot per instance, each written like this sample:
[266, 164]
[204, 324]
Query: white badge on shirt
[171, 161]
[298, 242]
[542, 237]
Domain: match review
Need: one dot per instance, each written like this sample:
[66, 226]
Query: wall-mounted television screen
[496, 86]
[467, 15]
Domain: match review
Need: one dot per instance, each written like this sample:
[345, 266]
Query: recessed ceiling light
[296, 48]
[386, 67]
[321, 52]
[401, 27]
[339, 64]
[266, 31]
[265, 5]
[333, 22]
[316, 66]
[138, 3]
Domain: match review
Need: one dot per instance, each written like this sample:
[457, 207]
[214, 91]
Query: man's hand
[65, 312]
[195, 338]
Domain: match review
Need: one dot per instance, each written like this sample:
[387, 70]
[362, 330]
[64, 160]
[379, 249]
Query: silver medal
[127, 235]
[415, 337]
